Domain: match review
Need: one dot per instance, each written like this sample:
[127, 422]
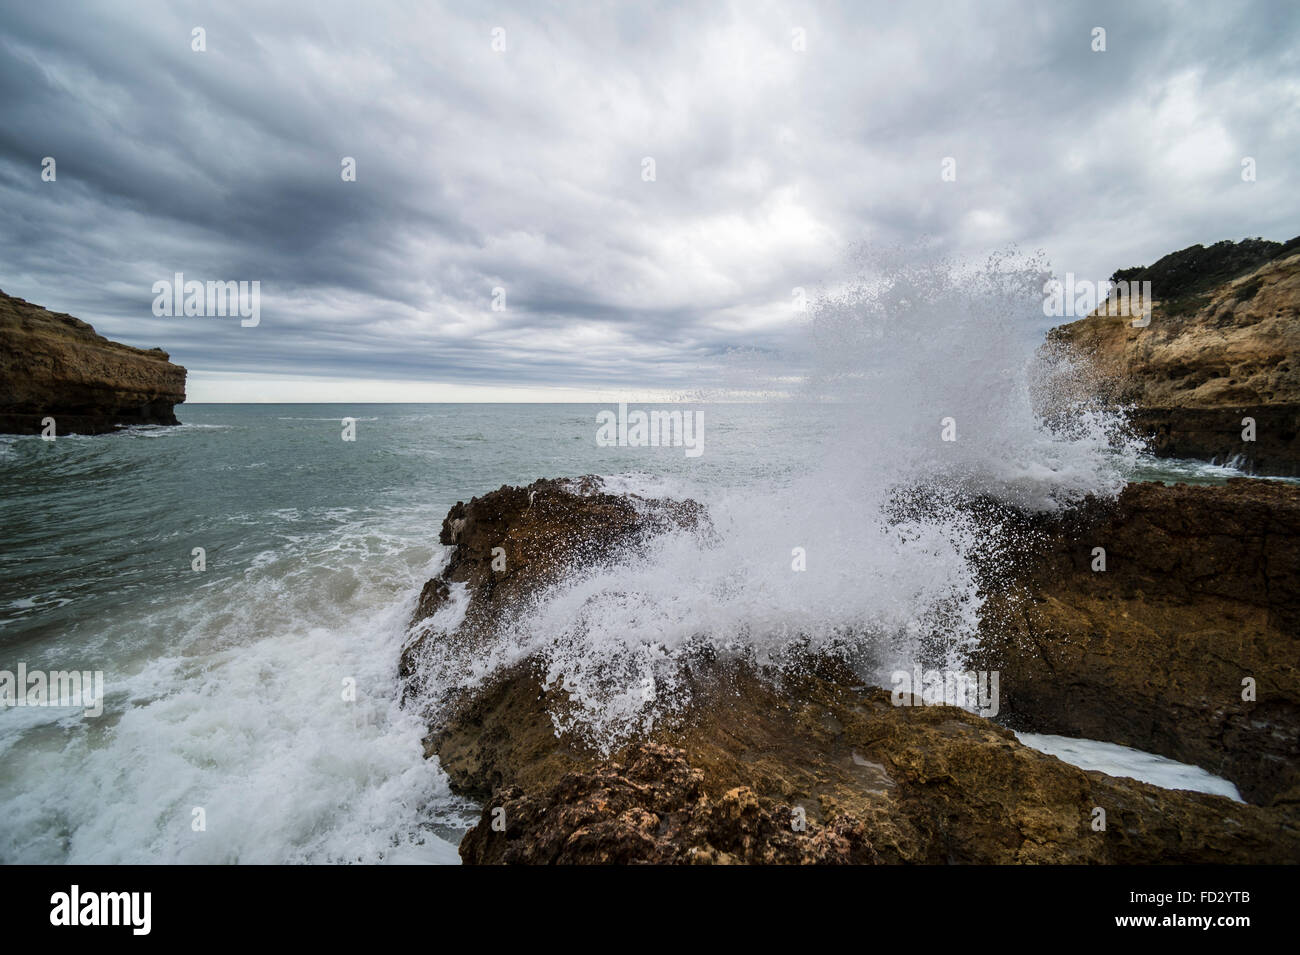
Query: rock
[653, 808]
[797, 766]
[1223, 344]
[1215, 434]
[873, 781]
[1201, 590]
[543, 531]
[54, 365]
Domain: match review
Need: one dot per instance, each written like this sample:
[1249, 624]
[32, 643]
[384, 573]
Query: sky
[509, 147]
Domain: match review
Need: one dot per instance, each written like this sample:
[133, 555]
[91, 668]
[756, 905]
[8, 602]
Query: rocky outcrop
[653, 806]
[1222, 346]
[1218, 435]
[534, 535]
[1200, 592]
[56, 366]
[804, 765]
[818, 769]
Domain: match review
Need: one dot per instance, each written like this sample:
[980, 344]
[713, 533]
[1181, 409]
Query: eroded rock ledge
[730, 778]
[54, 365]
[1201, 590]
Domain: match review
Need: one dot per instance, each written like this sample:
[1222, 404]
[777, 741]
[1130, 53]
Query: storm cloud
[504, 147]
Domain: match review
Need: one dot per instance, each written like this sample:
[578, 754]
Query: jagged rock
[1215, 434]
[795, 766]
[54, 365]
[542, 530]
[1201, 590]
[654, 808]
[875, 782]
[1222, 345]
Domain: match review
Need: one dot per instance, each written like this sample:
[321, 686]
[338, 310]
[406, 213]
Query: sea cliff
[55, 366]
[1222, 345]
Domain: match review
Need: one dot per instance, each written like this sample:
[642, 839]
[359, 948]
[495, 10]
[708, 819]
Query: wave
[268, 699]
[929, 390]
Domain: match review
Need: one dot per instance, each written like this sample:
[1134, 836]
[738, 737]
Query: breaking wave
[924, 389]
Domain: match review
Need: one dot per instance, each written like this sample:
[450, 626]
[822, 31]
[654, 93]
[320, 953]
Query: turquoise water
[226, 687]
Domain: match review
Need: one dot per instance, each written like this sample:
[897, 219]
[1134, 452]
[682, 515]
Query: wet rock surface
[1200, 592]
[809, 766]
[874, 782]
[535, 535]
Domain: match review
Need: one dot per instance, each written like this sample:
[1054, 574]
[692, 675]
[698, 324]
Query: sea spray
[923, 389]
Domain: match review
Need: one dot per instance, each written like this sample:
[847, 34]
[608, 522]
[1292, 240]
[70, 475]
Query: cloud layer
[783, 136]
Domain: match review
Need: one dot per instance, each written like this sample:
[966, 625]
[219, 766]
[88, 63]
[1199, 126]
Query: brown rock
[653, 808]
[789, 767]
[1209, 358]
[543, 530]
[54, 365]
[874, 781]
[1201, 590]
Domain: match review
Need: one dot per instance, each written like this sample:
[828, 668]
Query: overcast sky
[524, 169]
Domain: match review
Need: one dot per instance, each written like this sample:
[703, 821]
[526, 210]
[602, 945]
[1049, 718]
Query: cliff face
[1199, 592]
[54, 365]
[1223, 344]
[812, 767]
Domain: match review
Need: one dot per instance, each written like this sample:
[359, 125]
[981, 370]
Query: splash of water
[923, 388]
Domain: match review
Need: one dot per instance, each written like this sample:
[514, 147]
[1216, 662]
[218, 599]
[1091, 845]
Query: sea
[243, 583]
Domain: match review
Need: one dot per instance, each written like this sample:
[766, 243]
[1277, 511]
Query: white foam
[1116, 760]
[243, 714]
[1191, 471]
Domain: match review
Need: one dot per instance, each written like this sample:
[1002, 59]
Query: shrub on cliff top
[1198, 269]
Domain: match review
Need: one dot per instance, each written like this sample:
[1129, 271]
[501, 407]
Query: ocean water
[224, 688]
[1116, 760]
